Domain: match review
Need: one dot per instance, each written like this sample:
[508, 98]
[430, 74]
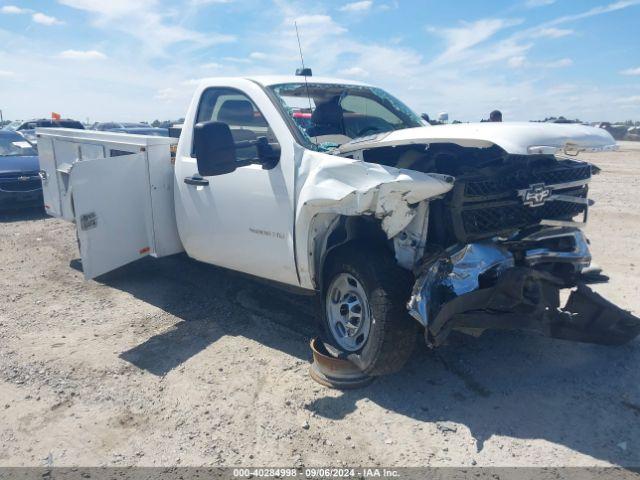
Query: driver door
[241, 220]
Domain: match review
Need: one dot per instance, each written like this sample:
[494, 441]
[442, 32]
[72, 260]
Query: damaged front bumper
[515, 285]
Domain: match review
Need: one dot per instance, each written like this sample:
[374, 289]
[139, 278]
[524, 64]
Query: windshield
[14, 146]
[329, 115]
[13, 126]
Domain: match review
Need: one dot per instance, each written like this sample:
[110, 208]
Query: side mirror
[268, 153]
[214, 148]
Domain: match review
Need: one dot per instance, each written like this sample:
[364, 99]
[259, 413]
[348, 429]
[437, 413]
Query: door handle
[196, 180]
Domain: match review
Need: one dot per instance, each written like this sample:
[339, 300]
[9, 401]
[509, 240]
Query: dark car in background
[50, 123]
[12, 126]
[112, 126]
[151, 131]
[28, 129]
[20, 183]
[617, 131]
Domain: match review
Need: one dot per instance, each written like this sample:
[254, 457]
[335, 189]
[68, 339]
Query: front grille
[485, 219]
[483, 187]
[22, 182]
[485, 205]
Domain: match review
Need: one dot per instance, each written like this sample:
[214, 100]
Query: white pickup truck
[337, 188]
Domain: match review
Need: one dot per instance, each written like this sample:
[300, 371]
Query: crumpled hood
[517, 138]
[18, 164]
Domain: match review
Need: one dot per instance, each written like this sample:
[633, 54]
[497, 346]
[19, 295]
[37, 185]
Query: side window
[234, 108]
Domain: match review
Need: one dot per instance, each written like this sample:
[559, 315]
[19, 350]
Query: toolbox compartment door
[57, 156]
[112, 208]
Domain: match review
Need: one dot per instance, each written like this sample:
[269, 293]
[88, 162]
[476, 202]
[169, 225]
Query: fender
[339, 186]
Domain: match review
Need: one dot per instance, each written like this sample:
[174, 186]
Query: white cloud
[497, 52]
[632, 100]
[82, 55]
[521, 62]
[361, 6]
[392, 5]
[211, 66]
[561, 63]
[193, 82]
[318, 23]
[168, 93]
[146, 20]
[237, 60]
[179, 94]
[43, 19]
[517, 61]
[468, 46]
[13, 10]
[551, 32]
[612, 7]
[6, 73]
[473, 81]
[357, 72]
[37, 17]
[460, 39]
[209, 2]
[538, 3]
[111, 9]
[631, 71]
[258, 56]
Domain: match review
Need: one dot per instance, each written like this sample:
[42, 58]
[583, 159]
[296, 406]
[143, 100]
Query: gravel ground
[172, 362]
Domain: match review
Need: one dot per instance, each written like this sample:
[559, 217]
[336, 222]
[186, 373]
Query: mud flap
[527, 299]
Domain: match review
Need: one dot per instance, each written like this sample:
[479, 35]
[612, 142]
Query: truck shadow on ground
[583, 397]
[210, 302]
[21, 215]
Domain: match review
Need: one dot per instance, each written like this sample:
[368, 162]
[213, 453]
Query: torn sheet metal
[577, 254]
[529, 300]
[479, 287]
[329, 184]
[360, 188]
[590, 318]
[455, 273]
[460, 269]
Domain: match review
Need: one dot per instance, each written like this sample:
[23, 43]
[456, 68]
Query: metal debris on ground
[335, 372]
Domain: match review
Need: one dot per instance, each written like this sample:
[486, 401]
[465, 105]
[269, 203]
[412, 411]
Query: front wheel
[365, 317]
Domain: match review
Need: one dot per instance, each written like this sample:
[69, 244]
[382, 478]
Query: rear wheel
[364, 309]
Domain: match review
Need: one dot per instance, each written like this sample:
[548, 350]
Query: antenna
[305, 71]
[299, 45]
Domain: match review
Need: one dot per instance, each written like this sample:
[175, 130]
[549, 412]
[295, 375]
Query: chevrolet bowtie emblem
[536, 195]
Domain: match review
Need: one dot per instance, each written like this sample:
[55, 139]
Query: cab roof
[269, 80]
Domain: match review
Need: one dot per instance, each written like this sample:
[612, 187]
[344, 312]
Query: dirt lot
[174, 362]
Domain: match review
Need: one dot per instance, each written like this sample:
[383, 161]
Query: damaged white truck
[337, 188]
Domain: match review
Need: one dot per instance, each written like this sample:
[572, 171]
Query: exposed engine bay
[494, 193]
[495, 251]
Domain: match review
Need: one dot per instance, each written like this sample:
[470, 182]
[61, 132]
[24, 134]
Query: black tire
[392, 332]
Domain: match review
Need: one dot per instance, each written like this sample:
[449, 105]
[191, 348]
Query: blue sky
[135, 60]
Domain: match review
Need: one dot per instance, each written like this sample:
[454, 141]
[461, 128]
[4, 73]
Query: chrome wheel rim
[348, 312]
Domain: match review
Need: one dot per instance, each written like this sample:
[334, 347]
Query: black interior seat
[327, 119]
[237, 112]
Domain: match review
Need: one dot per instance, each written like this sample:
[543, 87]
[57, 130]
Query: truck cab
[337, 188]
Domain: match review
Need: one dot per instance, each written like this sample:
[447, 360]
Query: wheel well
[345, 232]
